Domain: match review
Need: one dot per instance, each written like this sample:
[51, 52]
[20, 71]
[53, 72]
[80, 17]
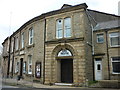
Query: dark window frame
[115, 65]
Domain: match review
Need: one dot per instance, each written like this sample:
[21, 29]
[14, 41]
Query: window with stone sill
[30, 36]
[115, 65]
[114, 39]
[17, 67]
[12, 45]
[100, 38]
[63, 28]
[30, 64]
[4, 50]
[24, 67]
[16, 43]
[22, 40]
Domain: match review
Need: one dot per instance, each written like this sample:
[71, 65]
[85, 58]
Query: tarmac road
[8, 87]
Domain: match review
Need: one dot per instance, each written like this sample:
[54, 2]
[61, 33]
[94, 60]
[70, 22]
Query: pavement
[33, 85]
[8, 87]
[29, 84]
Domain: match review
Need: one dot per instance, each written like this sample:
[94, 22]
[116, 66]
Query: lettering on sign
[64, 53]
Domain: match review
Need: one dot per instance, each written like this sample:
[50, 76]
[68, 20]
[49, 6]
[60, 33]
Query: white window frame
[17, 67]
[114, 37]
[24, 67]
[16, 43]
[22, 39]
[100, 35]
[29, 64]
[8, 45]
[12, 45]
[31, 36]
[112, 65]
[67, 27]
[58, 28]
[64, 28]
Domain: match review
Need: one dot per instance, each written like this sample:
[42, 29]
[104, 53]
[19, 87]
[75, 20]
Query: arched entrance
[65, 66]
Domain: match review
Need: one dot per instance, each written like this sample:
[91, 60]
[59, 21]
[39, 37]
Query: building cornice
[64, 40]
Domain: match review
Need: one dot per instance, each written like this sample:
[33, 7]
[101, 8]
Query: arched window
[64, 52]
[59, 29]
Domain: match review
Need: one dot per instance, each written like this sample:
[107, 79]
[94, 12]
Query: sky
[14, 13]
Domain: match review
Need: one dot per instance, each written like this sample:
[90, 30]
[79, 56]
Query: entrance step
[63, 84]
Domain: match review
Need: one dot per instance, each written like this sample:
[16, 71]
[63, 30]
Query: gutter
[44, 52]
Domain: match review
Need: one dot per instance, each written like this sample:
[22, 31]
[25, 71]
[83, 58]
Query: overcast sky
[14, 13]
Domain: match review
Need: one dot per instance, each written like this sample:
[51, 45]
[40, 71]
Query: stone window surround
[112, 64]
[17, 67]
[31, 31]
[63, 26]
[29, 64]
[16, 43]
[24, 67]
[113, 36]
[97, 35]
[22, 39]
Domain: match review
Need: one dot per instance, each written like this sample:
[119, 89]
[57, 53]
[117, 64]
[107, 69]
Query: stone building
[70, 45]
[106, 50]
[5, 54]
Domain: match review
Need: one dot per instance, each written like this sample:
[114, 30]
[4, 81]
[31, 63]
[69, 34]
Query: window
[100, 38]
[116, 64]
[22, 40]
[30, 36]
[8, 44]
[38, 69]
[98, 67]
[12, 45]
[59, 31]
[24, 67]
[67, 27]
[16, 43]
[114, 39]
[64, 52]
[17, 67]
[4, 49]
[29, 64]
[63, 28]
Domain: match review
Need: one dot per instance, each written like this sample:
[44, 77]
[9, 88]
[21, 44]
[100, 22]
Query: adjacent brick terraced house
[70, 45]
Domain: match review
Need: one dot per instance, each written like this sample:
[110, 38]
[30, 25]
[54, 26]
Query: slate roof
[107, 25]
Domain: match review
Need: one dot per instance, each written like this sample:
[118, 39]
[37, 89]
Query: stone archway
[65, 66]
[53, 62]
[62, 54]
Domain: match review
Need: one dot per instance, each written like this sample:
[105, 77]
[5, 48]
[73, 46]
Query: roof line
[104, 13]
[106, 29]
[43, 15]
